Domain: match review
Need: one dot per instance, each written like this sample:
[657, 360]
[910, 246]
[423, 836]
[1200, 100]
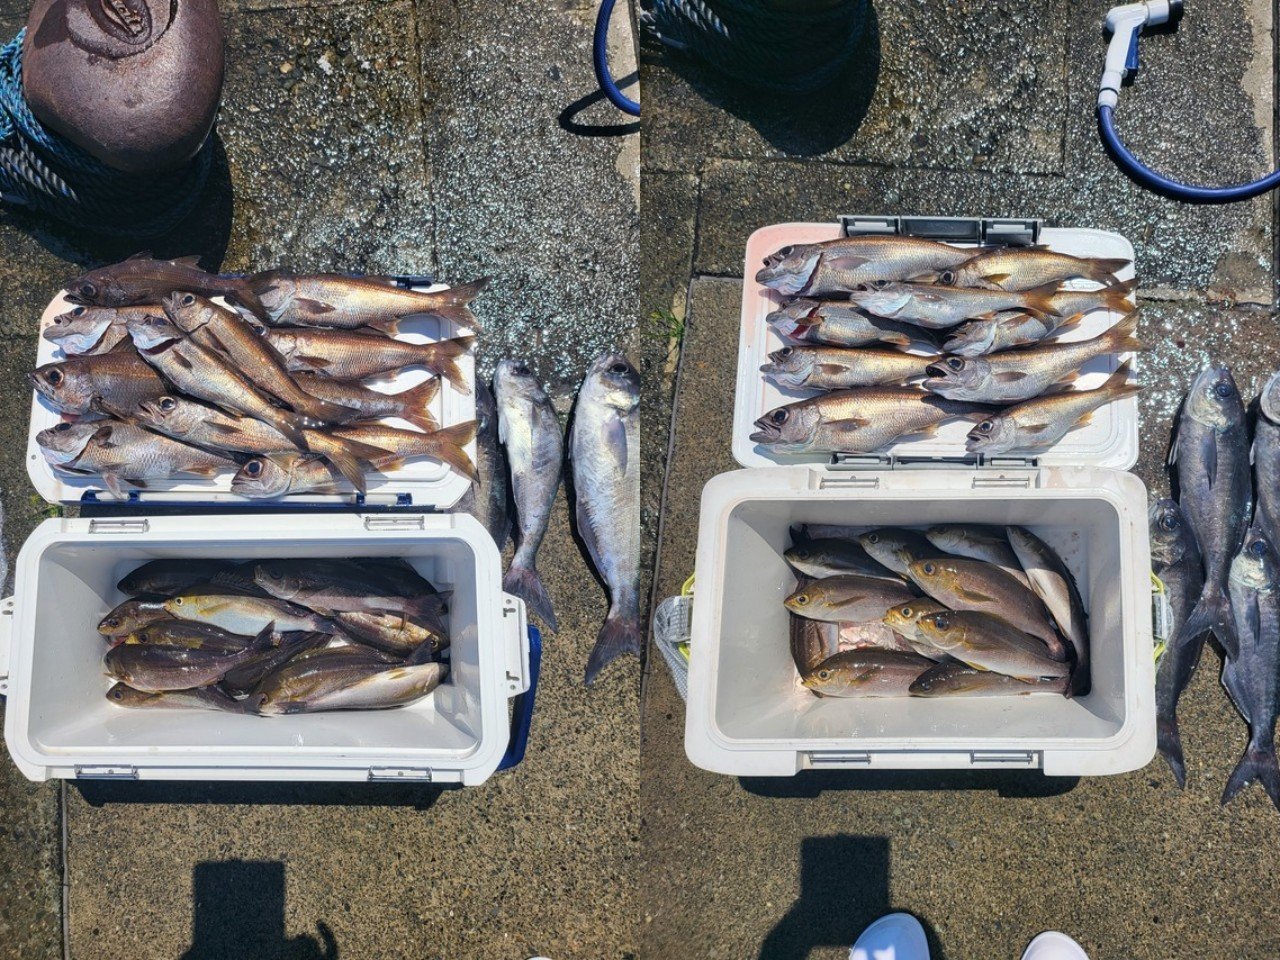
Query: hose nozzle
[1125, 24]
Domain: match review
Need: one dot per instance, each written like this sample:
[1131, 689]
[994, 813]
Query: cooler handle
[6, 640]
[522, 709]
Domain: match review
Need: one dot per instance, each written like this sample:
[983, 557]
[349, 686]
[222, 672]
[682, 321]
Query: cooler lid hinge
[839, 758]
[412, 521]
[1008, 472]
[119, 526]
[1014, 231]
[114, 772]
[418, 774]
[1018, 758]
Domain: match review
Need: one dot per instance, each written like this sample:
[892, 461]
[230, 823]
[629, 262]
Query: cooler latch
[1016, 232]
[106, 773]
[386, 774]
[819, 759]
[6, 641]
[119, 526]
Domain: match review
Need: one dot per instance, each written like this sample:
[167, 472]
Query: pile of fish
[604, 450]
[951, 611]
[160, 381]
[273, 637]
[900, 334]
[1214, 549]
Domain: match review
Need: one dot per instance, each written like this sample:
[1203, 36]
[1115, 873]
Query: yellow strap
[687, 589]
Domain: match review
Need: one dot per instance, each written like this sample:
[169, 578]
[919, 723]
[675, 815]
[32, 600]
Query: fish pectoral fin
[1042, 427]
[227, 429]
[928, 430]
[1010, 376]
[208, 470]
[115, 485]
[318, 362]
[313, 306]
[1210, 462]
[180, 361]
[846, 261]
[615, 441]
[832, 369]
[996, 279]
[974, 596]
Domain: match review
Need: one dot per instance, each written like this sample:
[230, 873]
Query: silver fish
[488, 499]
[201, 698]
[93, 330]
[1056, 586]
[897, 548]
[1023, 268]
[844, 264]
[839, 323]
[530, 434]
[832, 556]
[604, 448]
[345, 683]
[936, 307]
[989, 642]
[170, 576]
[1175, 559]
[155, 669]
[117, 382]
[121, 453]
[956, 679]
[1018, 329]
[1210, 453]
[866, 673]
[1266, 458]
[839, 368]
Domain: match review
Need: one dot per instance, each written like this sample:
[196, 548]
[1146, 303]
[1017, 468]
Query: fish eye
[1169, 523]
[188, 299]
[111, 622]
[801, 554]
[519, 369]
[941, 621]
[785, 352]
[88, 289]
[930, 569]
[619, 367]
[167, 403]
[177, 601]
[62, 427]
[77, 312]
[117, 694]
[786, 251]
[947, 277]
[275, 573]
[986, 426]
[55, 378]
[1258, 548]
[1224, 389]
[906, 612]
[802, 600]
[873, 538]
[253, 468]
[824, 674]
[779, 416]
[955, 363]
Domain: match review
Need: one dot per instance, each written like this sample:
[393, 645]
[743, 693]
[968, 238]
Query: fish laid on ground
[412, 405]
[847, 598]
[838, 323]
[839, 368]
[866, 673]
[1210, 453]
[936, 307]
[170, 576]
[812, 641]
[1266, 458]
[448, 444]
[344, 683]
[862, 420]
[530, 433]
[844, 264]
[957, 679]
[989, 642]
[333, 300]
[1040, 423]
[832, 556]
[142, 279]
[206, 375]
[343, 355]
[208, 427]
[201, 698]
[1016, 375]
[153, 669]
[1252, 674]
[1055, 585]
[121, 453]
[971, 585]
[236, 613]
[94, 330]
[229, 334]
[1023, 268]
[132, 615]
[488, 499]
[117, 381]
[898, 548]
[977, 541]
[1175, 559]
[604, 451]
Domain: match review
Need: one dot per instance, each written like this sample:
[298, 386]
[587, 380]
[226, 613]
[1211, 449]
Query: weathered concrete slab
[1129, 865]
[953, 86]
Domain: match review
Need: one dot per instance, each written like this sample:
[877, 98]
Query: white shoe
[1054, 946]
[897, 936]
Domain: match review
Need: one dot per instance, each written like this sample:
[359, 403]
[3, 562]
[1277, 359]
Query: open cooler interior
[1110, 439]
[420, 482]
[70, 717]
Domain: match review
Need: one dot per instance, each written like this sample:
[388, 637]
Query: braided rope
[786, 51]
[43, 172]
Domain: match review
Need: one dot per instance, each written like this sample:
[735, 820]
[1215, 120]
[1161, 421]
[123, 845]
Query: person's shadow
[239, 912]
[844, 886]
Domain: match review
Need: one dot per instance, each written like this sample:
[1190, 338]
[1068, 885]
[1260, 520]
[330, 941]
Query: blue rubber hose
[600, 57]
[1148, 178]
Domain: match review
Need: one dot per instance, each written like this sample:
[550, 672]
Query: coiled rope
[791, 50]
[43, 172]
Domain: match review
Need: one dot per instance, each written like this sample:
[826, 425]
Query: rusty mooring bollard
[135, 83]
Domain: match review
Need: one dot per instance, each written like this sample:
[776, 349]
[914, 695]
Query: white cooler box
[747, 715]
[58, 722]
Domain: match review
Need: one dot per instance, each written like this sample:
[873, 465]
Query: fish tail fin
[415, 404]
[620, 634]
[1258, 763]
[1118, 383]
[1104, 270]
[524, 582]
[1169, 741]
[349, 458]
[441, 359]
[291, 425]
[1116, 297]
[463, 293]
[1124, 335]
[1213, 612]
[459, 316]
[246, 295]
[451, 443]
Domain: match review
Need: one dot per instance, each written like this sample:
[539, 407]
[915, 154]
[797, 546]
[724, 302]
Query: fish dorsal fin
[140, 255]
[191, 261]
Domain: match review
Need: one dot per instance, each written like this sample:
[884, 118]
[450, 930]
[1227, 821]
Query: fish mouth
[936, 370]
